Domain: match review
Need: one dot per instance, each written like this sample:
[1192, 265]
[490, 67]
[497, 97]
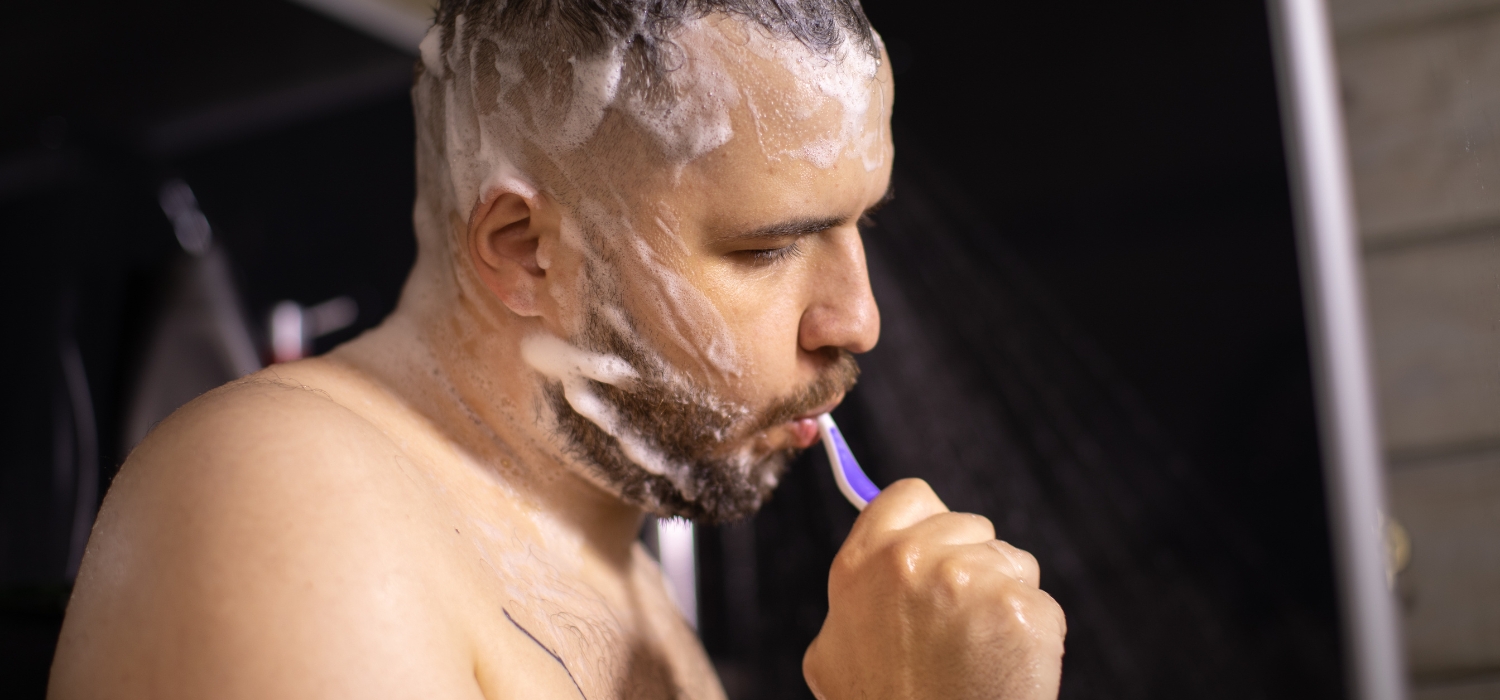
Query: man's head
[648, 211]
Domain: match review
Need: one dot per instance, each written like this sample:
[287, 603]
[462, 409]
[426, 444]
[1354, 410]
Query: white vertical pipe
[674, 541]
[1313, 123]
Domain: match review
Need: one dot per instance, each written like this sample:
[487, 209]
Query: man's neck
[415, 363]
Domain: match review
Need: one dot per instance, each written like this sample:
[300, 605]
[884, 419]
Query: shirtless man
[639, 280]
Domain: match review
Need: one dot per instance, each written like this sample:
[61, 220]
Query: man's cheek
[772, 327]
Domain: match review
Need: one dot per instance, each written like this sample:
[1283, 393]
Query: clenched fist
[925, 604]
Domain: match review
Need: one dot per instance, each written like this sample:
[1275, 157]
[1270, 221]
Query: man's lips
[804, 428]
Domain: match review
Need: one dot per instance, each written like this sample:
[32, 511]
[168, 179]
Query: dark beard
[682, 428]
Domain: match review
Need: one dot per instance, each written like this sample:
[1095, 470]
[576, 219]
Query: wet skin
[382, 521]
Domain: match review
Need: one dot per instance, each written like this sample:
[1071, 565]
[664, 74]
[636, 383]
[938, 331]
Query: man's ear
[503, 240]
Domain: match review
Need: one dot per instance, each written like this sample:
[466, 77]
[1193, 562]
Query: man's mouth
[804, 428]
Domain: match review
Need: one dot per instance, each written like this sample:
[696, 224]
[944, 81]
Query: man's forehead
[739, 187]
[789, 94]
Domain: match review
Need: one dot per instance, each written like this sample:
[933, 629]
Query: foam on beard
[577, 370]
[485, 133]
[573, 367]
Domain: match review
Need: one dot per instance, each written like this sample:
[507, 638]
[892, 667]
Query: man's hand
[926, 603]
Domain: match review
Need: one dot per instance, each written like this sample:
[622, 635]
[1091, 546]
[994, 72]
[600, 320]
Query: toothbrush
[851, 479]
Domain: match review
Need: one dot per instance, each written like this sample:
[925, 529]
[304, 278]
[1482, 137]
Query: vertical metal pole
[677, 553]
[1313, 124]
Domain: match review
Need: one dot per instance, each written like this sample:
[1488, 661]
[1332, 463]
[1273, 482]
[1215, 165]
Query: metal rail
[1313, 126]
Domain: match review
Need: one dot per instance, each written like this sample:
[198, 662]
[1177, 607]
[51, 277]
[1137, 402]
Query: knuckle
[1022, 563]
[963, 526]
[902, 558]
[1039, 613]
[952, 577]
[1055, 613]
[1030, 569]
[1025, 559]
[842, 575]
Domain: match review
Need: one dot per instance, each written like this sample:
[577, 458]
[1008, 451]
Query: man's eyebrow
[795, 227]
[804, 227]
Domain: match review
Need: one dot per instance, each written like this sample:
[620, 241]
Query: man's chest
[546, 634]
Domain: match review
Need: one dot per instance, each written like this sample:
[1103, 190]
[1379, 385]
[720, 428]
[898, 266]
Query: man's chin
[723, 493]
[711, 490]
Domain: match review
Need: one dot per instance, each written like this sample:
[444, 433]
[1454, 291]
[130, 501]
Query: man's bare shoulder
[263, 451]
[263, 540]
[264, 426]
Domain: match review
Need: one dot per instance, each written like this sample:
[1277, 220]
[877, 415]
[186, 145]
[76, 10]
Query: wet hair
[562, 31]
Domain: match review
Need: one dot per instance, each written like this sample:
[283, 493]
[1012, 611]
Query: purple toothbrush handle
[860, 483]
[853, 483]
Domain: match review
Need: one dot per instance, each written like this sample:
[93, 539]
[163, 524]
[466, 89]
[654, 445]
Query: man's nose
[841, 312]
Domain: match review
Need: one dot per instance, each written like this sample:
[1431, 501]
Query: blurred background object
[199, 337]
[170, 172]
[1421, 86]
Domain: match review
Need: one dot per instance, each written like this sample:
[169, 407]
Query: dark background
[1093, 331]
